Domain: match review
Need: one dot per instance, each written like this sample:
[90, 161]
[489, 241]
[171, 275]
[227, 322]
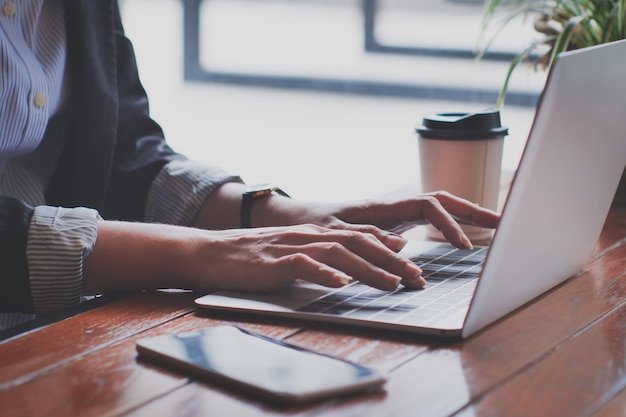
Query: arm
[130, 256]
[335, 243]
[322, 243]
[112, 152]
[396, 214]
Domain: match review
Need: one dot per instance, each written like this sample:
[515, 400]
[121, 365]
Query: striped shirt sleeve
[59, 240]
[180, 189]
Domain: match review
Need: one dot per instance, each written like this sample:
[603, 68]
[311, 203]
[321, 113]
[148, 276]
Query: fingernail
[416, 282]
[396, 283]
[344, 279]
[412, 269]
[416, 269]
[416, 278]
[395, 242]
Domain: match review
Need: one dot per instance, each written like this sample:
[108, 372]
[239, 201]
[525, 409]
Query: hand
[328, 244]
[348, 241]
[263, 259]
[395, 213]
[130, 256]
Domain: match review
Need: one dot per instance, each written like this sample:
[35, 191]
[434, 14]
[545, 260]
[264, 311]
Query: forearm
[136, 256]
[182, 188]
[221, 210]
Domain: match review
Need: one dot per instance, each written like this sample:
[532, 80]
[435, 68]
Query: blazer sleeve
[114, 150]
[141, 150]
[15, 292]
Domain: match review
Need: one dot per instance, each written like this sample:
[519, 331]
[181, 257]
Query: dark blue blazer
[113, 149]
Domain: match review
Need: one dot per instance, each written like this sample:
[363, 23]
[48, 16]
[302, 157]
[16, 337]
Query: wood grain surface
[563, 354]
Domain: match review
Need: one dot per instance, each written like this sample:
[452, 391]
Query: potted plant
[560, 25]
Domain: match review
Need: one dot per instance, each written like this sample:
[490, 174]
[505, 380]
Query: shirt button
[40, 99]
[9, 9]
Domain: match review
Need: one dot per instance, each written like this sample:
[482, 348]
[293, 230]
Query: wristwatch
[250, 196]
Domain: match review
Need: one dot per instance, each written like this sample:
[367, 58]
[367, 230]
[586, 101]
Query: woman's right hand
[147, 256]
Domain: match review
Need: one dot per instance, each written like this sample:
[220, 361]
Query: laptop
[559, 199]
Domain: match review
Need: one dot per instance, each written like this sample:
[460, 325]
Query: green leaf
[578, 23]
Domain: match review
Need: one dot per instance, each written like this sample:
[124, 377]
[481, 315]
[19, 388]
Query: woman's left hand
[392, 215]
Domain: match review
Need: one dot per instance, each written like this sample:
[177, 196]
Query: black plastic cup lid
[462, 126]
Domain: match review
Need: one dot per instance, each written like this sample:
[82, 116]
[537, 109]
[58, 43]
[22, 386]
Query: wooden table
[563, 354]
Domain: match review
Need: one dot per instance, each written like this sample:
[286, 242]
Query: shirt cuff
[180, 189]
[59, 240]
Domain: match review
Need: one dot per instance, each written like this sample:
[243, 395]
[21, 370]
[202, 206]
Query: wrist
[254, 196]
[221, 209]
[134, 256]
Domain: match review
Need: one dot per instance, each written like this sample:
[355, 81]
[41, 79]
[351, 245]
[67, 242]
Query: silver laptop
[555, 210]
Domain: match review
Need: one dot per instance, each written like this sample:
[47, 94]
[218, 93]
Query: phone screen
[258, 364]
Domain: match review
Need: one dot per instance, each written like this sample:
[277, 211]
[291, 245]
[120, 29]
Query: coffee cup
[462, 153]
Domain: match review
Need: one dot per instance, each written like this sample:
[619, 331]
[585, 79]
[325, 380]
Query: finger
[301, 266]
[369, 262]
[401, 215]
[378, 253]
[442, 220]
[274, 230]
[354, 253]
[391, 240]
[466, 211]
[309, 233]
[338, 257]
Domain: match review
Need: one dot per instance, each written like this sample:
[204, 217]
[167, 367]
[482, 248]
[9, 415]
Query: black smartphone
[271, 369]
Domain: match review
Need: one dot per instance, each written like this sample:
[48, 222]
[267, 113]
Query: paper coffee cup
[462, 153]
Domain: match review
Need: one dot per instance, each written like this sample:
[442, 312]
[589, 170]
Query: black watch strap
[250, 196]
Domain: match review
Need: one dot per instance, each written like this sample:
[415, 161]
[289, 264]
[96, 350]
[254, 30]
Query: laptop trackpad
[287, 299]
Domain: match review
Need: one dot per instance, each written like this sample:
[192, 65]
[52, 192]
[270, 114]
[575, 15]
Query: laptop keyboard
[451, 275]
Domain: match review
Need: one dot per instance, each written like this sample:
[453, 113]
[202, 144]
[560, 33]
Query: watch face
[262, 190]
[258, 188]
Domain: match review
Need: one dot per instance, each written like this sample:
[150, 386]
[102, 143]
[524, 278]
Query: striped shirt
[33, 63]
[32, 66]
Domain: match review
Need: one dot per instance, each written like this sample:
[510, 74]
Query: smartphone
[253, 364]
